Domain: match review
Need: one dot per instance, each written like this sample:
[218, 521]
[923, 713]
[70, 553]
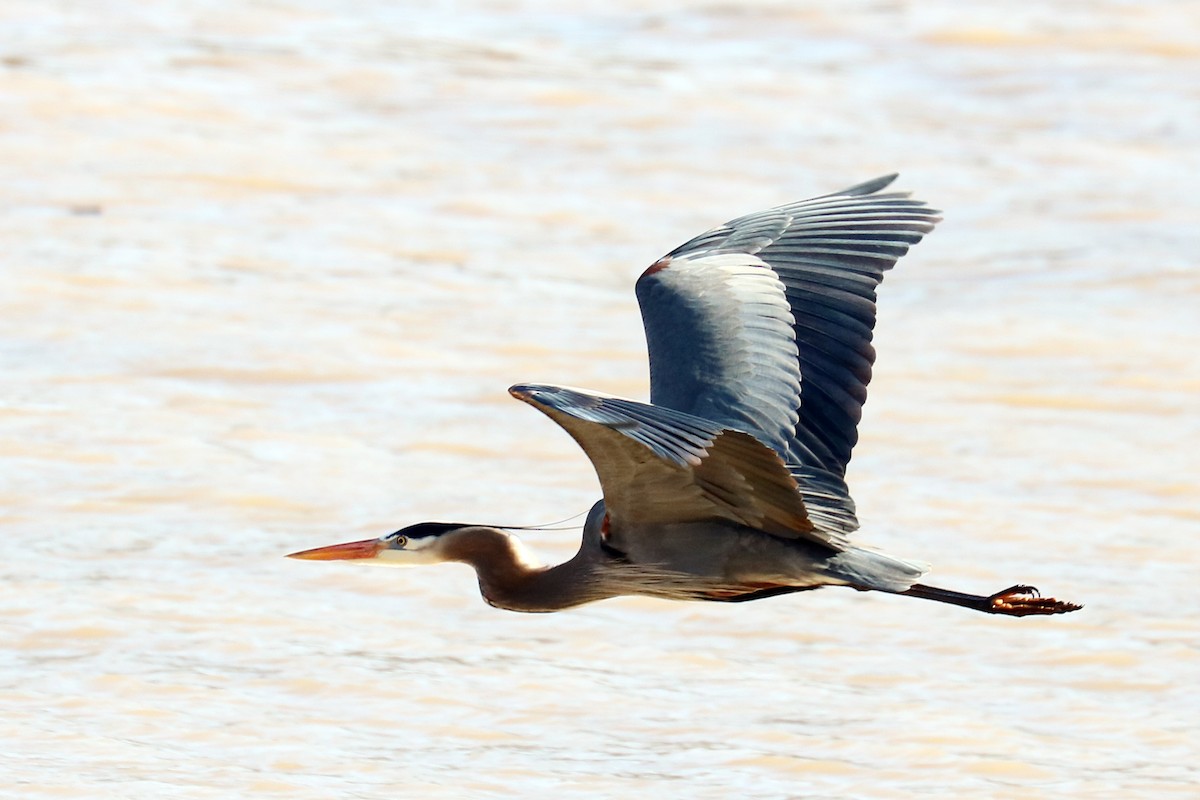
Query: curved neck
[511, 577]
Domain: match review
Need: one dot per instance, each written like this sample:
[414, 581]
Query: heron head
[417, 544]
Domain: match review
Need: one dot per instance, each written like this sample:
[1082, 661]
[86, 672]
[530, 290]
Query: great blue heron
[729, 485]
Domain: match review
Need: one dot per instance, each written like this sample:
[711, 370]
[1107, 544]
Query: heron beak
[367, 548]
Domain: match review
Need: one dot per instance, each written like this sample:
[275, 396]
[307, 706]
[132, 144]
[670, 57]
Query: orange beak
[367, 548]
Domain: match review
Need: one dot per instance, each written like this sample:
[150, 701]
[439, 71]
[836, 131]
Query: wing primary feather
[710, 309]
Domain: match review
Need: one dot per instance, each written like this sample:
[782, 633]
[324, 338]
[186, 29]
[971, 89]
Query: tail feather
[868, 569]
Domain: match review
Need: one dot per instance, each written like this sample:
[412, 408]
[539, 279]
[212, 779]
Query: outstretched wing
[657, 465]
[764, 325]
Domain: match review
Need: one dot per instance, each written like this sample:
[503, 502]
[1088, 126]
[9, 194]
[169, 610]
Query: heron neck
[511, 577]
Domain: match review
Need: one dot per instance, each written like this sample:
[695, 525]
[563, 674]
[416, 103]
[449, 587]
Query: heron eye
[400, 541]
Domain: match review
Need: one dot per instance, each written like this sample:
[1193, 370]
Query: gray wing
[764, 325]
[658, 465]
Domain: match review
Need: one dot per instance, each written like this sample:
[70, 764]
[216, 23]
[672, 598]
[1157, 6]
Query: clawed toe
[1021, 589]
[1020, 601]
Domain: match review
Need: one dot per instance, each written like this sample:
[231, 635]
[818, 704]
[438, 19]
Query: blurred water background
[269, 267]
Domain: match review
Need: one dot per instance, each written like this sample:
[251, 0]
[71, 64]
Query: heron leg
[1015, 601]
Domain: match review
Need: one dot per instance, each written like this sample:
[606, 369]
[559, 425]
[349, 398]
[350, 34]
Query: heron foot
[1023, 601]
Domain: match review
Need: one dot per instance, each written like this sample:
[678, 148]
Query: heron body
[729, 485]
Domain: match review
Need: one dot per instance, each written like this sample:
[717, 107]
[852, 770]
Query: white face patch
[423, 543]
[417, 552]
[427, 550]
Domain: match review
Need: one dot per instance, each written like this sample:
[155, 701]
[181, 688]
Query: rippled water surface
[268, 268]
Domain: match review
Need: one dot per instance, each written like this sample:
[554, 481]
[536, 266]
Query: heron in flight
[729, 485]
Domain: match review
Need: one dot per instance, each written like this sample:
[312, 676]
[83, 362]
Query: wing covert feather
[658, 465]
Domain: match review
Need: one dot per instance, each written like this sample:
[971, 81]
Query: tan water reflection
[268, 270]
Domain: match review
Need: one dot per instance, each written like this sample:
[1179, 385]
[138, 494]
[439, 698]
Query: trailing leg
[1015, 601]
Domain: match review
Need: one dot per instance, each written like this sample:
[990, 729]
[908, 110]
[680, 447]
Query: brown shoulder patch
[657, 266]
